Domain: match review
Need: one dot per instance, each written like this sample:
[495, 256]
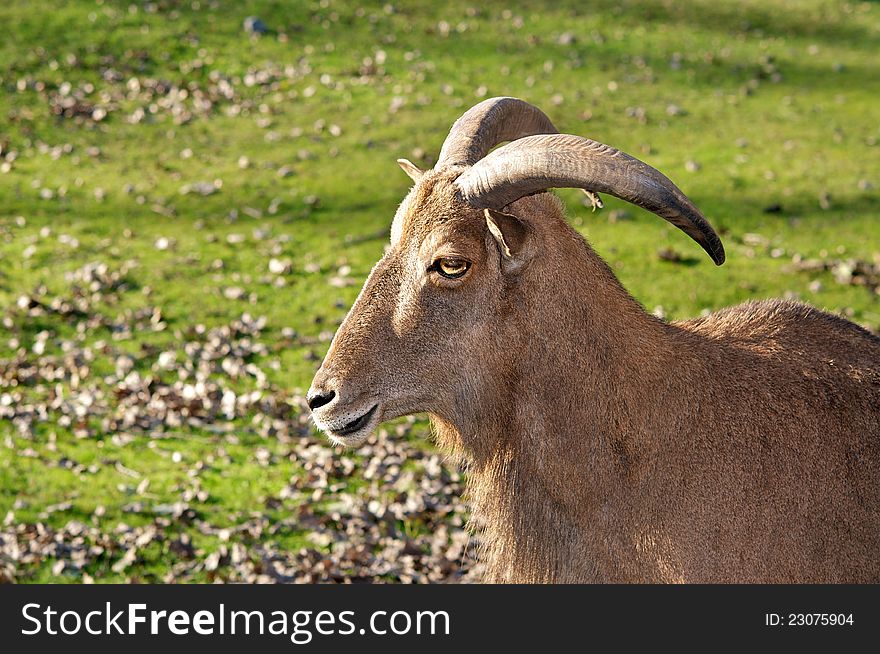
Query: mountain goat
[604, 444]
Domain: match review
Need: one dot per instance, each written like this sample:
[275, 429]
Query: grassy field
[187, 210]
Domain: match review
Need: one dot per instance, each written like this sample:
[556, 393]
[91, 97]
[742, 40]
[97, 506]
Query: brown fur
[605, 445]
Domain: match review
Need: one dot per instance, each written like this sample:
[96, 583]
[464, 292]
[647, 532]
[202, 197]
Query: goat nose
[319, 399]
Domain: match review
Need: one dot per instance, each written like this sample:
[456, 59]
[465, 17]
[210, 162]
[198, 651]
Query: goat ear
[513, 237]
[415, 173]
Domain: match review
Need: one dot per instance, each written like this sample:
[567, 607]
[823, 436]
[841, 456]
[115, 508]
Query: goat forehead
[431, 204]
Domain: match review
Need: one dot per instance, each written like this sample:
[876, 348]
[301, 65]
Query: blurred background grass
[164, 139]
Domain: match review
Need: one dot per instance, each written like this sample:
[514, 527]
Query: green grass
[778, 106]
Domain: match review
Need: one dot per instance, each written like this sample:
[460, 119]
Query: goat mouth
[355, 425]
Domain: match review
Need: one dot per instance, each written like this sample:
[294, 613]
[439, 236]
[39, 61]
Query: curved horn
[487, 124]
[537, 163]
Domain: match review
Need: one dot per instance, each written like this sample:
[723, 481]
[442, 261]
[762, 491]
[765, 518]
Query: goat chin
[350, 441]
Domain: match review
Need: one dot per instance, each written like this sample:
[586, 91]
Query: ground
[187, 209]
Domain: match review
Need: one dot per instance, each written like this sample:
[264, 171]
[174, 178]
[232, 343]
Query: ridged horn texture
[487, 124]
[537, 163]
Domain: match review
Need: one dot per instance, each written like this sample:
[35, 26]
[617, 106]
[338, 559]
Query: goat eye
[452, 268]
